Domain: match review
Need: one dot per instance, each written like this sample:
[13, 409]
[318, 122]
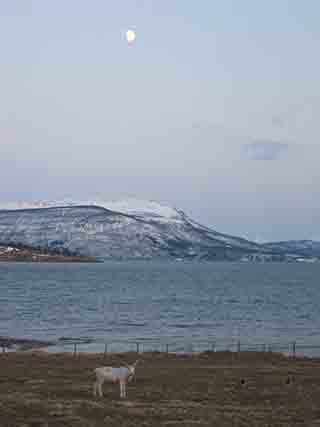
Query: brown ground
[212, 389]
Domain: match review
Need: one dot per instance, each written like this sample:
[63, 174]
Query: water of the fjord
[190, 306]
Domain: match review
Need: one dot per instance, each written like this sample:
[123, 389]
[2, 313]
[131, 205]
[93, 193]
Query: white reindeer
[121, 375]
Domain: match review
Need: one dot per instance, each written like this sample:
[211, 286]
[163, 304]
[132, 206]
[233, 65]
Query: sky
[214, 109]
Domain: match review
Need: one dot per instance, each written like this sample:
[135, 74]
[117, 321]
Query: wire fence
[78, 346]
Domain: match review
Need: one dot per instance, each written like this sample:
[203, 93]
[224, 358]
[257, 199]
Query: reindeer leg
[100, 389]
[124, 390]
[122, 394]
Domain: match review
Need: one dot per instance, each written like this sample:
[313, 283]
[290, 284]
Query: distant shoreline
[26, 254]
[51, 259]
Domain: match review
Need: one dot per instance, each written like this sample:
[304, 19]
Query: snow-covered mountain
[128, 229]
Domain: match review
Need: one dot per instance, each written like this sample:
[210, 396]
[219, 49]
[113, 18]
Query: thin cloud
[278, 122]
[265, 150]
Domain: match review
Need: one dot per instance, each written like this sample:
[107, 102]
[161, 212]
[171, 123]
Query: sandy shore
[212, 389]
[8, 343]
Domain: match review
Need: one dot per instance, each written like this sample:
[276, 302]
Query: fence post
[75, 349]
[191, 348]
[167, 348]
[239, 347]
[105, 349]
[3, 349]
[213, 346]
[263, 348]
[138, 347]
[294, 349]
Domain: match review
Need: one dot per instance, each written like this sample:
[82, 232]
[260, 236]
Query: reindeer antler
[127, 365]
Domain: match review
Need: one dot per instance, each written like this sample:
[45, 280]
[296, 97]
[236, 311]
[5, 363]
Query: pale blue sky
[214, 109]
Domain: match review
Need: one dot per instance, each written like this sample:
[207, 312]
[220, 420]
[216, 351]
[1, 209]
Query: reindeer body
[110, 374]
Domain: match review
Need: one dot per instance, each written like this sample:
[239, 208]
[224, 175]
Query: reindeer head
[131, 369]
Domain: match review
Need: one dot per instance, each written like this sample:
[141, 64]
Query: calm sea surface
[188, 304]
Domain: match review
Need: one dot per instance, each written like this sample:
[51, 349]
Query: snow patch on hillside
[141, 207]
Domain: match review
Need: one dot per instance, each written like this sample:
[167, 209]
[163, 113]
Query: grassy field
[211, 389]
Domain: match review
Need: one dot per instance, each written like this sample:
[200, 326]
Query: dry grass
[212, 389]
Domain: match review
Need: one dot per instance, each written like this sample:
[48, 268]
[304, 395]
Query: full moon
[131, 36]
